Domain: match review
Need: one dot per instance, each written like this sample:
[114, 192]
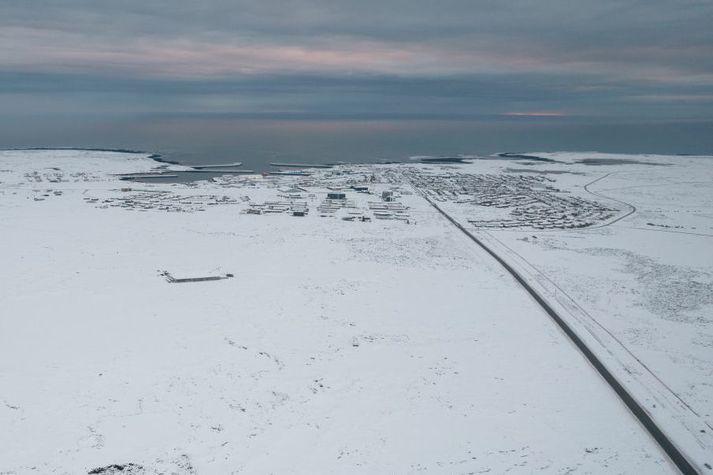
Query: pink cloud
[66, 51]
[44, 49]
[536, 114]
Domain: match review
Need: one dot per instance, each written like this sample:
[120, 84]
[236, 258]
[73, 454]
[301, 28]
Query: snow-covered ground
[638, 284]
[368, 336]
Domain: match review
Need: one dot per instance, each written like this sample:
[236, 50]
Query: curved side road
[676, 456]
[632, 208]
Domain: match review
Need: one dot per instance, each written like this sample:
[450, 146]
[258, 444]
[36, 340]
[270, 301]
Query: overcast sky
[597, 59]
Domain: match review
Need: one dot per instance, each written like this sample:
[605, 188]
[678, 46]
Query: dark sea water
[257, 142]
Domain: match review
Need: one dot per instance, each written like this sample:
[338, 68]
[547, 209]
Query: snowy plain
[339, 345]
[638, 285]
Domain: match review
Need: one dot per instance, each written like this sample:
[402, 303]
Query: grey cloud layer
[608, 57]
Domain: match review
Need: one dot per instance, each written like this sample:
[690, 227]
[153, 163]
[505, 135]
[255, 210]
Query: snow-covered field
[368, 336]
[638, 284]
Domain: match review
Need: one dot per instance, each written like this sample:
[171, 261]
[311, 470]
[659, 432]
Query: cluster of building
[338, 201]
[55, 175]
[146, 200]
[295, 208]
[512, 201]
[346, 194]
[41, 195]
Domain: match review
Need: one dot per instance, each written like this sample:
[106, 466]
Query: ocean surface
[258, 142]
